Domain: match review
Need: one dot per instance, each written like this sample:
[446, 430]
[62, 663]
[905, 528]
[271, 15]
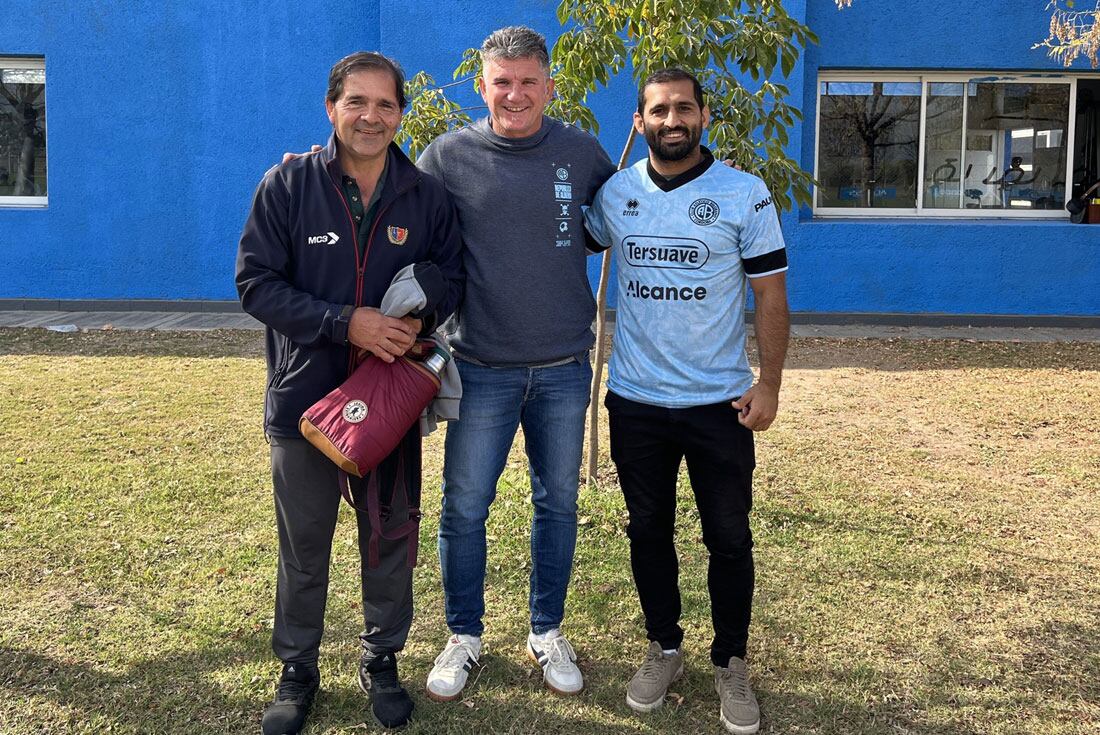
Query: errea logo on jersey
[329, 238]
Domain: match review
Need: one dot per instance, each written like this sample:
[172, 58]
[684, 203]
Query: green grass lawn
[927, 523]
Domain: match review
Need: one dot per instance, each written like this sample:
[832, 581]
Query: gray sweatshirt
[528, 300]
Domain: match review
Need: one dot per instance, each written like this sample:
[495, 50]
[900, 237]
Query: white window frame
[39, 63]
[925, 80]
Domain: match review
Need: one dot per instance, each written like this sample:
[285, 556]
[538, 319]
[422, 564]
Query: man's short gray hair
[516, 42]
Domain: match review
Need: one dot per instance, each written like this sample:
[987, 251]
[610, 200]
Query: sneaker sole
[443, 697]
[551, 687]
[645, 708]
[739, 729]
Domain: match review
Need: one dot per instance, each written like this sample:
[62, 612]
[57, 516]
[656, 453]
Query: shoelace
[651, 667]
[561, 653]
[454, 656]
[736, 683]
[384, 680]
[292, 690]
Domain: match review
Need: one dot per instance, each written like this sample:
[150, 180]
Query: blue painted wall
[963, 266]
[160, 123]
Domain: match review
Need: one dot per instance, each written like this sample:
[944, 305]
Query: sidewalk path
[195, 321]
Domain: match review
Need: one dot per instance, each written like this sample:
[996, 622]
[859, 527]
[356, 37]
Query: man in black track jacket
[326, 235]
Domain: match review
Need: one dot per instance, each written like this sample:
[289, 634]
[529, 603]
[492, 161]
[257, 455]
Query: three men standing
[326, 235]
[686, 233]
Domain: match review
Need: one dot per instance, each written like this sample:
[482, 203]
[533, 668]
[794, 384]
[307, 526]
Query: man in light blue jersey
[688, 235]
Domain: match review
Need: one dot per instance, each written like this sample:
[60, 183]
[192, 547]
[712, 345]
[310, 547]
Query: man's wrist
[772, 383]
[341, 324]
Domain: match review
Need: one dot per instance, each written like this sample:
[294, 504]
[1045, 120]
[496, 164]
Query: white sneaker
[452, 667]
[558, 661]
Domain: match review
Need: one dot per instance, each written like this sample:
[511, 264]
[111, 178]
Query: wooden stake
[601, 330]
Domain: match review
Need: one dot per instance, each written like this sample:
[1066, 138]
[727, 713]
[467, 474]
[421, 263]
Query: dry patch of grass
[927, 525]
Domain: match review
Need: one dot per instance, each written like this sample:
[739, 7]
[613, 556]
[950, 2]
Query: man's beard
[672, 152]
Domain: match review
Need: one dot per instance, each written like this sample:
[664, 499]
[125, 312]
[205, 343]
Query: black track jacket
[300, 272]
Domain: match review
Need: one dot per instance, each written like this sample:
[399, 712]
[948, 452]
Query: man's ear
[639, 124]
[330, 108]
[706, 117]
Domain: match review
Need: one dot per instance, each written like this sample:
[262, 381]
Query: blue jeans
[550, 404]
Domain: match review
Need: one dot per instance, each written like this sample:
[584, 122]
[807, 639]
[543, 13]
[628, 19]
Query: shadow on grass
[167, 694]
[1064, 656]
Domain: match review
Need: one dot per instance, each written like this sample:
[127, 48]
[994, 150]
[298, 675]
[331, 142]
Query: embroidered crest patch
[355, 411]
[397, 235]
[703, 211]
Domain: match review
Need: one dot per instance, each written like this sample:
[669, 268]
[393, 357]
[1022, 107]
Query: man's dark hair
[663, 76]
[365, 61]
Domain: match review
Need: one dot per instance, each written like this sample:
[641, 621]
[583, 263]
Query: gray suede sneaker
[739, 712]
[646, 691]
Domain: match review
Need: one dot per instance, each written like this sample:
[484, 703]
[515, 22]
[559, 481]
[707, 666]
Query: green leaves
[704, 37]
[715, 39]
[429, 115]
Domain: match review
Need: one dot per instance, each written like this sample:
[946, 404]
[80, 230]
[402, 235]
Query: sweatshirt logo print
[329, 238]
[397, 235]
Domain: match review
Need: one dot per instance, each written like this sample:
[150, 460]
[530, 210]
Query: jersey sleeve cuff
[766, 264]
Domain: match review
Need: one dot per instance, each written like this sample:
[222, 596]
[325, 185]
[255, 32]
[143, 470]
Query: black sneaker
[389, 702]
[293, 698]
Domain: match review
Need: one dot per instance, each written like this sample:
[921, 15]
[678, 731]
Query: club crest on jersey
[703, 211]
[397, 235]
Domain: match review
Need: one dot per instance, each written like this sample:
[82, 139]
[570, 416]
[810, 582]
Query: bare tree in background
[29, 135]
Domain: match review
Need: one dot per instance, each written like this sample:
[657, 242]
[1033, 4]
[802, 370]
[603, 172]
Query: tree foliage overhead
[721, 41]
[1073, 33]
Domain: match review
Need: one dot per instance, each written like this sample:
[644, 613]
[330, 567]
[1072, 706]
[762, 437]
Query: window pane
[943, 145]
[22, 132]
[1016, 145]
[868, 148]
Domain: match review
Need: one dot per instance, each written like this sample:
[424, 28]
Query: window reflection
[22, 132]
[868, 144]
[943, 168]
[987, 143]
[1015, 145]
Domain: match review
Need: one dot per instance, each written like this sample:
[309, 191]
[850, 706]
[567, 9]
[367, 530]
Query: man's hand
[758, 407]
[413, 323]
[288, 157]
[383, 336]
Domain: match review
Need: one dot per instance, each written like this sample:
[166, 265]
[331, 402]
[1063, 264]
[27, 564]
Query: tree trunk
[24, 172]
[601, 331]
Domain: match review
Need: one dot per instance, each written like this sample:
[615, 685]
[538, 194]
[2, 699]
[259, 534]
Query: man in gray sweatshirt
[521, 340]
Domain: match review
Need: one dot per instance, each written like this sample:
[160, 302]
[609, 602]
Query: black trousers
[307, 500]
[647, 445]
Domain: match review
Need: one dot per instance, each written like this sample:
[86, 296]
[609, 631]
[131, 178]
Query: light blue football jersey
[682, 258]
